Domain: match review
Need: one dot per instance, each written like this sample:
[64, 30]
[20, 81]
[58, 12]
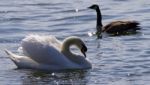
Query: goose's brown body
[115, 27]
[121, 27]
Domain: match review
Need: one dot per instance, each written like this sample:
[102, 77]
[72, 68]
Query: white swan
[48, 53]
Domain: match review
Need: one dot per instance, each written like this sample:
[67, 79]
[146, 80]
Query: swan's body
[115, 27]
[48, 53]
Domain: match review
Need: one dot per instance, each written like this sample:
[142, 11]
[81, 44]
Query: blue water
[123, 60]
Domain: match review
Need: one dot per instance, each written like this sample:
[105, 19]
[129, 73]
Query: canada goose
[50, 54]
[115, 27]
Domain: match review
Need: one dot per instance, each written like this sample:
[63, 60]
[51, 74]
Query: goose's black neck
[99, 19]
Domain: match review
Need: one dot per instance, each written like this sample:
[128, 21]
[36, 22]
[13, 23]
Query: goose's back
[121, 26]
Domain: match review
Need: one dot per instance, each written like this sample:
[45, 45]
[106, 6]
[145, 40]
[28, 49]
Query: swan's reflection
[77, 77]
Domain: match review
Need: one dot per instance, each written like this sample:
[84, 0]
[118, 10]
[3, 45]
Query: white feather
[44, 52]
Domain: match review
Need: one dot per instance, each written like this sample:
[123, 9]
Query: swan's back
[45, 40]
[43, 49]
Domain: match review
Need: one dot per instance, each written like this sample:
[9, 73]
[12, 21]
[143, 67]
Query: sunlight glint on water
[123, 60]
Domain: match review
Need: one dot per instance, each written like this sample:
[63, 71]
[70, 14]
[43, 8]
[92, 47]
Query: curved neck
[79, 60]
[66, 50]
[99, 20]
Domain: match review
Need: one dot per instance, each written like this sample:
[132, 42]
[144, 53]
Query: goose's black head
[99, 20]
[94, 6]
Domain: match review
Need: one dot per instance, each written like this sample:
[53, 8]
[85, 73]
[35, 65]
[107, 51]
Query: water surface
[123, 60]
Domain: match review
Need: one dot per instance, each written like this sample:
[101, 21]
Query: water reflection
[63, 78]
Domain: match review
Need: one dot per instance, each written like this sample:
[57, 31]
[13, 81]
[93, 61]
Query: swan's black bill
[84, 50]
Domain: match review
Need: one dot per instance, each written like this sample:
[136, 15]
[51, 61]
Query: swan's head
[80, 44]
[77, 42]
[94, 6]
[83, 49]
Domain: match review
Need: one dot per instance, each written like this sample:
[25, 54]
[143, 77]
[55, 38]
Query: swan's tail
[12, 56]
[9, 53]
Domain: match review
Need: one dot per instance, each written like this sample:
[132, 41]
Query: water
[123, 60]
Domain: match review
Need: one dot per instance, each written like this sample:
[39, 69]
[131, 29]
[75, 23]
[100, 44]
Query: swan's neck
[66, 50]
[99, 20]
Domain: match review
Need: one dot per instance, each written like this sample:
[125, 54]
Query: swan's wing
[49, 40]
[43, 40]
[22, 61]
[43, 50]
[25, 62]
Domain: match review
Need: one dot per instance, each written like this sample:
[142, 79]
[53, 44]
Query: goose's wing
[120, 26]
[43, 50]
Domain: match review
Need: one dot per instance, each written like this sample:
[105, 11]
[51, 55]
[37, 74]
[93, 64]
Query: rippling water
[123, 60]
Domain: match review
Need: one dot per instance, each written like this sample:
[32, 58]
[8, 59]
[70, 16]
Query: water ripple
[116, 60]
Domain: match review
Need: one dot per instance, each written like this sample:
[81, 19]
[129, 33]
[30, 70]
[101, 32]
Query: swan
[50, 54]
[115, 27]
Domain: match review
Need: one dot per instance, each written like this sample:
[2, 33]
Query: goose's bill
[90, 7]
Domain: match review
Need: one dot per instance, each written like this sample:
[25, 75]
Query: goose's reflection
[58, 78]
